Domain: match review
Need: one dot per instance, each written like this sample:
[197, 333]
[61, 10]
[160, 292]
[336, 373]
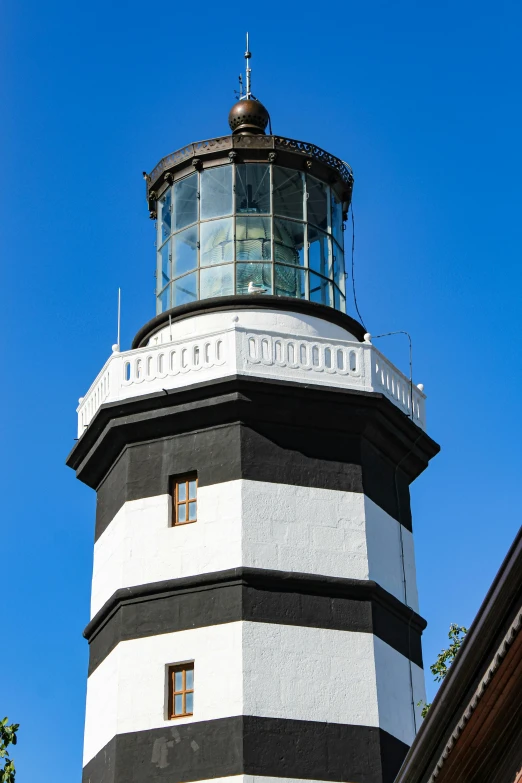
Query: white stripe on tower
[245, 668]
[260, 525]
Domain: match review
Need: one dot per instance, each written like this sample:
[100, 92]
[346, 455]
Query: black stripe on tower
[255, 429]
[236, 451]
[254, 595]
[249, 745]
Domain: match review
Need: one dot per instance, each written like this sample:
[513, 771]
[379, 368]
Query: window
[181, 690]
[317, 201]
[290, 281]
[260, 275]
[185, 289]
[216, 281]
[289, 242]
[253, 239]
[244, 228]
[337, 218]
[318, 251]
[165, 216]
[185, 500]
[217, 242]
[185, 202]
[252, 188]
[216, 192]
[288, 193]
[185, 251]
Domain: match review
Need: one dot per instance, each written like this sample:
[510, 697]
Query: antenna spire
[248, 55]
[248, 115]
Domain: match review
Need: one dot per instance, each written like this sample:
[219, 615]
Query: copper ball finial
[248, 116]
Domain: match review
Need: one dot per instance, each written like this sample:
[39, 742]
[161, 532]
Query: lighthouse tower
[254, 605]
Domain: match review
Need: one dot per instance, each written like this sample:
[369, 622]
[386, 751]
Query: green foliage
[7, 737]
[425, 707]
[445, 658]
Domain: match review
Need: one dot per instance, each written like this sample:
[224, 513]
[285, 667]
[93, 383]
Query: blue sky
[422, 99]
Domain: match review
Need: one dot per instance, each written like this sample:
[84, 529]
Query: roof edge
[478, 649]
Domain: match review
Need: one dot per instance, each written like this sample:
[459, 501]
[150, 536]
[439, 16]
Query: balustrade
[237, 350]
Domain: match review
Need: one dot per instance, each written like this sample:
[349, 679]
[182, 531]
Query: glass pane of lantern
[339, 300]
[289, 281]
[185, 202]
[288, 193]
[216, 281]
[337, 218]
[189, 703]
[178, 681]
[338, 265]
[318, 251]
[217, 242]
[190, 679]
[178, 705]
[192, 490]
[288, 242]
[253, 277]
[216, 192]
[165, 216]
[192, 512]
[165, 264]
[164, 298]
[252, 188]
[317, 202]
[320, 290]
[184, 251]
[185, 289]
[253, 239]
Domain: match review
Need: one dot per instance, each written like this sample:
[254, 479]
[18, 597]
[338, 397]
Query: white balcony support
[237, 350]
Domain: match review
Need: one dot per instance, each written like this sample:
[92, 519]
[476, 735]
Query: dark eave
[248, 148]
[257, 402]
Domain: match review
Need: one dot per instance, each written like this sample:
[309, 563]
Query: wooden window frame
[178, 481]
[172, 670]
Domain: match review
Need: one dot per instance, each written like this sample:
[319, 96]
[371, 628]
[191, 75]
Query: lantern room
[250, 213]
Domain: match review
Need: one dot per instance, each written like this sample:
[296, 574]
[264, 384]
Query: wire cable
[400, 520]
[408, 335]
[404, 583]
[353, 270]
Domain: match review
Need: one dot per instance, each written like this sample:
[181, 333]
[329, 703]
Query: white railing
[237, 350]
[95, 397]
[169, 360]
[388, 380]
[319, 356]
